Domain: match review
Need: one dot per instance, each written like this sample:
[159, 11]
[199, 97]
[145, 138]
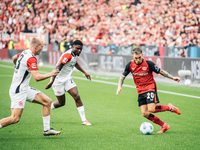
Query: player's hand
[88, 76]
[118, 90]
[55, 72]
[48, 85]
[176, 79]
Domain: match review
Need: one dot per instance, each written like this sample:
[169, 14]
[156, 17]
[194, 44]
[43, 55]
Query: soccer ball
[146, 128]
[187, 82]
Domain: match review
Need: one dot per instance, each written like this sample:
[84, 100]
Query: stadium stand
[104, 22]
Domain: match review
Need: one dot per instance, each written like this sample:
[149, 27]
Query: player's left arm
[166, 74]
[83, 71]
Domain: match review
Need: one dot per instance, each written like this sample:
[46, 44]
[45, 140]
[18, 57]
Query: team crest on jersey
[144, 68]
[58, 92]
[34, 65]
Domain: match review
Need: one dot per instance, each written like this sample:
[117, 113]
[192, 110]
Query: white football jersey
[26, 62]
[68, 59]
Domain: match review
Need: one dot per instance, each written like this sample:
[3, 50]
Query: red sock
[161, 108]
[155, 119]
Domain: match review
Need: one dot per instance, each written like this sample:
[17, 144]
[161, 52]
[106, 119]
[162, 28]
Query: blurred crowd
[103, 22]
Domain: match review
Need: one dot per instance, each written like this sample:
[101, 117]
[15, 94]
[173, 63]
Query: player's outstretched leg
[145, 112]
[156, 120]
[164, 128]
[161, 108]
[174, 109]
[74, 93]
[14, 118]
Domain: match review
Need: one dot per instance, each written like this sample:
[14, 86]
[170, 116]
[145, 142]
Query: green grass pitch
[115, 119]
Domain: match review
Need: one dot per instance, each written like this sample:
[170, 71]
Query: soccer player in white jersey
[20, 91]
[63, 81]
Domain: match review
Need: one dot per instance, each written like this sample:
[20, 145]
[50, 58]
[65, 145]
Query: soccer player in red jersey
[142, 71]
[20, 91]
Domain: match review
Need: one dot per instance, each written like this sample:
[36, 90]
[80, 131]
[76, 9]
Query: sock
[161, 108]
[155, 119]
[81, 113]
[0, 126]
[46, 122]
[52, 106]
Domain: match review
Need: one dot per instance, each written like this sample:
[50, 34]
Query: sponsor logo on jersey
[140, 74]
[144, 68]
[34, 65]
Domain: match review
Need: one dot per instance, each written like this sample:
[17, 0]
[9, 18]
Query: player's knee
[48, 102]
[145, 114]
[15, 119]
[77, 97]
[151, 110]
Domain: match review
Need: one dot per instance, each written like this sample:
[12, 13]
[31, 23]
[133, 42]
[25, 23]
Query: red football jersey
[143, 75]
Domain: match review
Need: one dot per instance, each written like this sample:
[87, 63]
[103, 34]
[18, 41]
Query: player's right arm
[121, 81]
[14, 58]
[63, 60]
[122, 78]
[59, 66]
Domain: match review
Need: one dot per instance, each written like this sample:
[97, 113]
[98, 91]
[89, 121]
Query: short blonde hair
[35, 41]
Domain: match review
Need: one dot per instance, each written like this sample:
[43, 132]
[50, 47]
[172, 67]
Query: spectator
[182, 53]
[126, 23]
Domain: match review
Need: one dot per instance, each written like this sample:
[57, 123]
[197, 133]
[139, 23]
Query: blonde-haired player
[20, 91]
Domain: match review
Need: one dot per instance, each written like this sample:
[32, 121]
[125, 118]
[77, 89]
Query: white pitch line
[113, 83]
[130, 86]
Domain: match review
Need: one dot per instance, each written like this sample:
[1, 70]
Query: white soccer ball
[187, 82]
[146, 128]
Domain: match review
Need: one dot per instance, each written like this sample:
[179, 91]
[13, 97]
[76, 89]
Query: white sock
[81, 113]
[52, 106]
[0, 126]
[46, 122]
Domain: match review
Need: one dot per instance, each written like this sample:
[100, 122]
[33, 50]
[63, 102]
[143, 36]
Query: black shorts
[148, 97]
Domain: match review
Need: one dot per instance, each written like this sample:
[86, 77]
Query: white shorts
[18, 100]
[60, 88]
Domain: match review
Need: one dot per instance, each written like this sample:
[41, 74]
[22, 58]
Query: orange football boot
[174, 109]
[164, 128]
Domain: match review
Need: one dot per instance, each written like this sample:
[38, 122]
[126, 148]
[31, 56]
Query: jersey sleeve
[32, 63]
[127, 70]
[66, 58]
[19, 54]
[153, 67]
